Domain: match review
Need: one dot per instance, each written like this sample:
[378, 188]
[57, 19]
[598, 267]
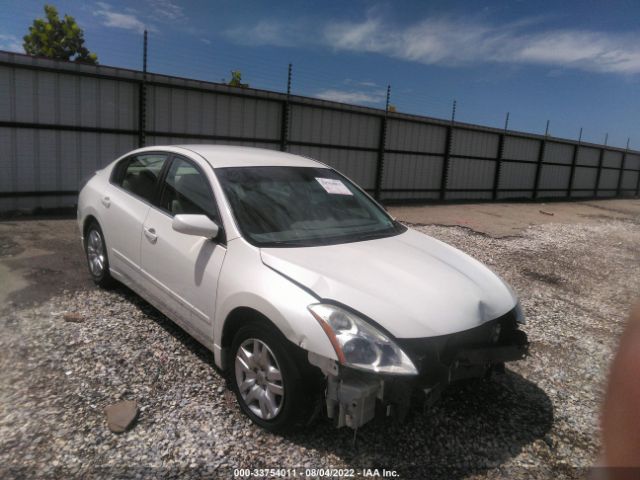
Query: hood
[411, 284]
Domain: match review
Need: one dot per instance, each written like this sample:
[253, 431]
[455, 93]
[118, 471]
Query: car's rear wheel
[268, 382]
[97, 259]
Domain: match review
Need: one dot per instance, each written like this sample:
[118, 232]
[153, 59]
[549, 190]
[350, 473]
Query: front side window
[186, 190]
[302, 206]
[141, 174]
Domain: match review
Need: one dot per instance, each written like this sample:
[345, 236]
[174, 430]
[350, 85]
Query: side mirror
[198, 225]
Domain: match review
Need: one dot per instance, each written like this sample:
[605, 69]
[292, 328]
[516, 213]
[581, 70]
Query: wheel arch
[88, 220]
[237, 318]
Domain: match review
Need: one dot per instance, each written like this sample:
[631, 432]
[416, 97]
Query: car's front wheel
[97, 260]
[269, 383]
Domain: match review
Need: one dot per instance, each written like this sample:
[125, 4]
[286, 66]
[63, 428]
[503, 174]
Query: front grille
[430, 352]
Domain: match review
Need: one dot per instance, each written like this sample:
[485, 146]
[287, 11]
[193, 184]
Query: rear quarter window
[139, 174]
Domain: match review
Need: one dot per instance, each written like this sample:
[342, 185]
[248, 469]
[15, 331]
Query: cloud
[126, 21]
[167, 10]
[11, 43]
[453, 42]
[366, 83]
[269, 32]
[352, 96]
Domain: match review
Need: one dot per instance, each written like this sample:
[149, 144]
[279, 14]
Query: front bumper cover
[442, 358]
[353, 395]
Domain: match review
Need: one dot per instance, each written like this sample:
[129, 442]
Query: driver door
[182, 270]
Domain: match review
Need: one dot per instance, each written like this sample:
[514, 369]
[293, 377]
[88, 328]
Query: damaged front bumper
[354, 397]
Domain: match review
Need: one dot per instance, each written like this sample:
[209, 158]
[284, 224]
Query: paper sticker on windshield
[335, 187]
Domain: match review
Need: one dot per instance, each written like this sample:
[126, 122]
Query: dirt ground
[575, 266]
[505, 219]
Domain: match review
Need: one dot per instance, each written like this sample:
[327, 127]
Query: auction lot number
[313, 473]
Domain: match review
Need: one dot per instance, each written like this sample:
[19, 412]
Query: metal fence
[61, 121]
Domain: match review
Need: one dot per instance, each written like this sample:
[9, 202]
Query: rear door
[133, 187]
[182, 270]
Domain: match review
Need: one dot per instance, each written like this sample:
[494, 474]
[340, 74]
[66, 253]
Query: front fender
[269, 293]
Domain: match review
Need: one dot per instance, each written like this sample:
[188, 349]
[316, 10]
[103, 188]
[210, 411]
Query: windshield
[301, 206]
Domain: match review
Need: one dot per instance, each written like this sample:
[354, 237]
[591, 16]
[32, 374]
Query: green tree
[236, 79]
[57, 39]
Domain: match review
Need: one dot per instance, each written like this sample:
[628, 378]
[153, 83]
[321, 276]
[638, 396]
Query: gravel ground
[539, 420]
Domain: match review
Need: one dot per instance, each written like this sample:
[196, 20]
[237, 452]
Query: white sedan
[309, 294]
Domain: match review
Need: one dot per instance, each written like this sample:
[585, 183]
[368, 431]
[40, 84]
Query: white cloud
[11, 43]
[352, 96]
[269, 32]
[166, 10]
[126, 21]
[453, 42]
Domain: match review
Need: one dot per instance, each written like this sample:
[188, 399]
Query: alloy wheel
[259, 379]
[95, 253]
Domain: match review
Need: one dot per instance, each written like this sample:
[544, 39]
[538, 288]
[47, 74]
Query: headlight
[358, 344]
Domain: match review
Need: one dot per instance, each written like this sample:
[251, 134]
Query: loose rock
[121, 415]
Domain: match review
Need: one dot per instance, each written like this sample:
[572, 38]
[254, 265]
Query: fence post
[621, 174]
[536, 182]
[597, 185]
[496, 175]
[284, 125]
[574, 160]
[142, 98]
[446, 160]
[381, 147]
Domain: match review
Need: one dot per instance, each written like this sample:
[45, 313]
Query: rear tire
[95, 249]
[274, 388]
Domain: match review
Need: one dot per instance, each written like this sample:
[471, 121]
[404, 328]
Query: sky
[574, 63]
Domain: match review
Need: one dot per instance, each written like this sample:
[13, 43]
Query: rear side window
[139, 174]
[186, 190]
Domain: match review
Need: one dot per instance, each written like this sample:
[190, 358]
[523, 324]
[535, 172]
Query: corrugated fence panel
[357, 165]
[7, 159]
[516, 176]
[54, 160]
[348, 138]
[183, 140]
[415, 137]
[588, 156]
[584, 178]
[7, 94]
[629, 180]
[518, 148]
[57, 98]
[554, 176]
[633, 161]
[558, 153]
[412, 171]
[470, 174]
[612, 159]
[607, 193]
[46, 97]
[318, 125]
[474, 144]
[608, 179]
[25, 96]
[202, 113]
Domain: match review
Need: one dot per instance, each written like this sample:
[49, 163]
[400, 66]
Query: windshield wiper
[283, 243]
[373, 235]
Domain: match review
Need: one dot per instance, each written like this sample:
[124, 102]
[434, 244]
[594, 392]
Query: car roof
[219, 156]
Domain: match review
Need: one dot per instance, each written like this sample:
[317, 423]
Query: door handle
[150, 233]
[106, 201]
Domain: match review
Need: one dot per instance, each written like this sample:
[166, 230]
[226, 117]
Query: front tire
[97, 260]
[268, 380]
